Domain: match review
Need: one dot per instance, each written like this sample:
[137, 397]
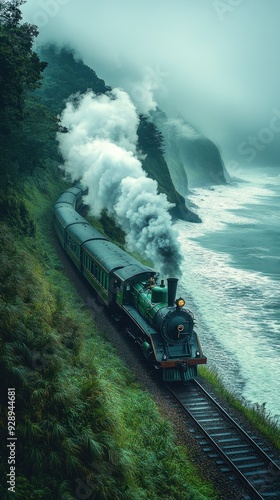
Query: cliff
[193, 160]
[150, 142]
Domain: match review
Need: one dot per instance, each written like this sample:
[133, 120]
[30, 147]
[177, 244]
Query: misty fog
[213, 62]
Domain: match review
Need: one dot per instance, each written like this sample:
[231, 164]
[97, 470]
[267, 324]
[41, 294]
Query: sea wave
[235, 299]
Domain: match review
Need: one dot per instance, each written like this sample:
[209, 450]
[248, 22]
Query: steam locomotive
[153, 317]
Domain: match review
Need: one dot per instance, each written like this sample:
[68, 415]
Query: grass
[144, 446]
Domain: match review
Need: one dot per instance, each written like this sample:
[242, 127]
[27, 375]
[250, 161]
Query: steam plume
[99, 150]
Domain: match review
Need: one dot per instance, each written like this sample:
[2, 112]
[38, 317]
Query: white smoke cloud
[108, 117]
[143, 97]
[99, 150]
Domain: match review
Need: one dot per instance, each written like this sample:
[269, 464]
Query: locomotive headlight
[180, 302]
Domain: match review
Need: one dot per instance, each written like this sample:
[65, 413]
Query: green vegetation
[150, 140]
[84, 428]
[20, 66]
[65, 76]
[20, 73]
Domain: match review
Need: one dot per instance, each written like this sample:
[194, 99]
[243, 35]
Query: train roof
[111, 257]
[139, 271]
[70, 195]
[67, 215]
[73, 190]
[83, 232]
[66, 197]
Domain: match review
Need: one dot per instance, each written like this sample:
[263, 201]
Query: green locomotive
[152, 315]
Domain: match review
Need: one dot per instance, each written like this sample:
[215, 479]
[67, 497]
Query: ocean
[231, 281]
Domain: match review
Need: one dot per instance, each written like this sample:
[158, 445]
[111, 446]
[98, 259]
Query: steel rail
[269, 466]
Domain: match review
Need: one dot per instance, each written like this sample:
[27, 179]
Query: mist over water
[231, 278]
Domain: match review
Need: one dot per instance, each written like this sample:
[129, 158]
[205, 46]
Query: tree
[149, 137]
[20, 67]
[20, 73]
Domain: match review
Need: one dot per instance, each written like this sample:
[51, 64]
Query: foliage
[150, 143]
[65, 75]
[20, 67]
[111, 228]
[24, 124]
[28, 143]
[149, 137]
[13, 209]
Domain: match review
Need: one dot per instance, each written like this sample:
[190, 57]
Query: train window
[91, 266]
[96, 272]
[106, 281]
[72, 244]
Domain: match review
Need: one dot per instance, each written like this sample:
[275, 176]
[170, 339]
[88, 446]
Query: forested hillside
[71, 441]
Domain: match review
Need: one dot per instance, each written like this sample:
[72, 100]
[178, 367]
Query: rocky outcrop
[192, 159]
[181, 211]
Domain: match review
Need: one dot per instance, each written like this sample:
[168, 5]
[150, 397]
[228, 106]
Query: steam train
[152, 315]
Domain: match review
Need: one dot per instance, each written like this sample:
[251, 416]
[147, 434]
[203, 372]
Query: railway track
[237, 455]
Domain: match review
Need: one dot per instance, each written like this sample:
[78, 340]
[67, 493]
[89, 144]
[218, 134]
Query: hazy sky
[214, 62]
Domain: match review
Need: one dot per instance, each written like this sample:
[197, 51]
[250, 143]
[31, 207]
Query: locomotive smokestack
[172, 289]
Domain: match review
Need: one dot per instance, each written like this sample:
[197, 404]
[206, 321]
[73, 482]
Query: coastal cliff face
[193, 160]
[151, 147]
